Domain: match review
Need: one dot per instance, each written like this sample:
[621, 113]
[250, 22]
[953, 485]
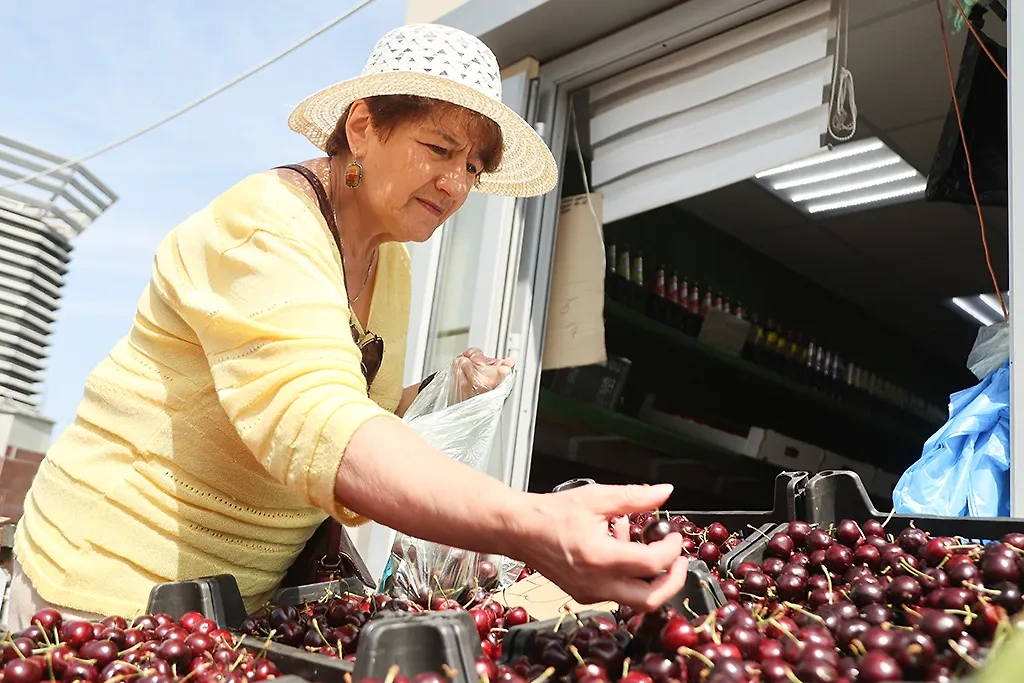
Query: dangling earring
[354, 174]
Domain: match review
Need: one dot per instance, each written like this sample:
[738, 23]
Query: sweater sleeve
[259, 281]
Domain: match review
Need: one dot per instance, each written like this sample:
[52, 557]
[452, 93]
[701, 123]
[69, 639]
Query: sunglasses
[371, 350]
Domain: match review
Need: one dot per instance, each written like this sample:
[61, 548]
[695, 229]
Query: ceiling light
[981, 309]
[841, 152]
[915, 189]
[842, 175]
[852, 187]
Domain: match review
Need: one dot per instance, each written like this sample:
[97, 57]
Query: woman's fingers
[649, 596]
[639, 559]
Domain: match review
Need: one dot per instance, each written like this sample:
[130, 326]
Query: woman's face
[414, 180]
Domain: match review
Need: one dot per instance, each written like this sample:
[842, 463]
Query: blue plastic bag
[964, 470]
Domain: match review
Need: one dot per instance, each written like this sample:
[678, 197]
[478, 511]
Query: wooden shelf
[788, 388]
[603, 421]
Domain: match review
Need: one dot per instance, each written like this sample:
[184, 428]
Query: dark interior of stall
[872, 288]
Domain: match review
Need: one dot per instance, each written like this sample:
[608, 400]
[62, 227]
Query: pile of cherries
[152, 649]
[332, 626]
[708, 544]
[846, 604]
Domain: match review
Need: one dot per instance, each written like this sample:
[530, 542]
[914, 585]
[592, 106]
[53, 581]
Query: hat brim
[527, 166]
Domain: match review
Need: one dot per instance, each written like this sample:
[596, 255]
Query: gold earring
[354, 174]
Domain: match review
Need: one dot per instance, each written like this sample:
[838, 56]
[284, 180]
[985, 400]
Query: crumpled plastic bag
[964, 470]
[991, 349]
[454, 416]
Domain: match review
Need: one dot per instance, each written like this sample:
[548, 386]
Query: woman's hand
[475, 373]
[568, 542]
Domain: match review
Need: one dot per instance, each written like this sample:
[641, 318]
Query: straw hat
[444, 63]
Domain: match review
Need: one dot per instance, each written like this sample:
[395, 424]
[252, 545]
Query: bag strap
[325, 204]
[339, 546]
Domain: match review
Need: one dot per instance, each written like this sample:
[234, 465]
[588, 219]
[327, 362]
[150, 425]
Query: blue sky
[79, 75]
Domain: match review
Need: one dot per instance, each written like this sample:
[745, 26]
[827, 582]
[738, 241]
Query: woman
[258, 390]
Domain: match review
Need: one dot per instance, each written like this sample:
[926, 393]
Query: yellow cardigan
[208, 441]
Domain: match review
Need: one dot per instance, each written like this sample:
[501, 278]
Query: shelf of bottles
[681, 304]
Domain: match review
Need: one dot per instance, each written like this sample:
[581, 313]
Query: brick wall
[17, 468]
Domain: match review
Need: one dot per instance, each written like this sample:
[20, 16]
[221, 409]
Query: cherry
[76, 670]
[791, 586]
[936, 579]
[115, 622]
[838, 558]
[133, 637]
[769, 648]
[818, 558]
[717, 533]
[963, 572]
[636, 532]
[850, 630]
[873, 527]
[866, 592]
[848, 533]
[914, 651]
[1000, 568]
[801, 559]
[773, 566]
[878, 667]
[780, 545]
[776, 670]
[875, 614]
[582, 671]
[812, 671]
[677, 633]
[1014, 538]
[146, 623]
[709, 553]
[936, 550]
[818, 539]
[659, 668]
[904, 590]
[688, 546]
[655, 530]
[731, 590]
[35, 634]
[47, 619]
[517, 616]
[868, 555]
[199, 643]
[116, 669]
[103, 651]
[798, 531]
[1009, 597]
[756, 583]
[482, 620]
[912, 540]
[878, 639]
[941, 626]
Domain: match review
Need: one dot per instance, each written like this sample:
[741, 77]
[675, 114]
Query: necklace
[341, 251]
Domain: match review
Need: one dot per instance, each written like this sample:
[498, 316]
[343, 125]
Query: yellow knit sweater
[208, 441]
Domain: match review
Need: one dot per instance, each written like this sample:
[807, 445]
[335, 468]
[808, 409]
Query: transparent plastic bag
[454, 415]
[965, 467]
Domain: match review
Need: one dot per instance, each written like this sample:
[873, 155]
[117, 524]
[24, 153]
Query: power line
[189, 107]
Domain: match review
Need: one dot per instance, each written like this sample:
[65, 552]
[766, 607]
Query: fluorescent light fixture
[981, 309]
[842, 152]
[851, 175]
[915, 189]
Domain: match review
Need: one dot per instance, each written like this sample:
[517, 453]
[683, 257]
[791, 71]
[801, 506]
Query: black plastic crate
[301, 664]
[215, 597]
[519, 639]
[834, 495]
[787, 505]
[443, 642]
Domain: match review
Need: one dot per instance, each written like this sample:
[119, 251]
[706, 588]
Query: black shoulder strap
[325, 204]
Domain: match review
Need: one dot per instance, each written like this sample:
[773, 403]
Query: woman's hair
[387, 112]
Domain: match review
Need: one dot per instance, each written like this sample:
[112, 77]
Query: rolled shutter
[715, 113]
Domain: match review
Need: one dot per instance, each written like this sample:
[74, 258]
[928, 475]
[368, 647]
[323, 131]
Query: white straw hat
[443, 63]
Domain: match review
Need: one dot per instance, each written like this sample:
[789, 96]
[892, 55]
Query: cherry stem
[449, 672]
[806, 613]
[686, 606]
[914, 570]
[266, 644]
[46, 637]
[687, 652]
[792, 676]
[778, 624]
[756, 530]
[828, 578]
[982, 589]
[347, 677]
[625, 667]
[910, 611]
[237, 662]
[438, 582]
[392, 673]
[888, 519]
[858, 647]
[576, 653]
[707, 587]
[962, 652]
[548, 673]
[558, 624]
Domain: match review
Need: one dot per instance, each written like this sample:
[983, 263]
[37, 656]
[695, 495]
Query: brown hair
[387, 112]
